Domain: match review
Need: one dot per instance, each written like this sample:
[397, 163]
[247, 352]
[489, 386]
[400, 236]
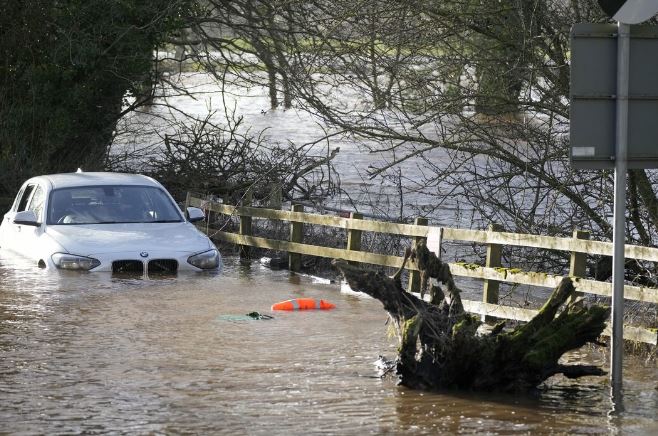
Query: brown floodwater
[91, 353]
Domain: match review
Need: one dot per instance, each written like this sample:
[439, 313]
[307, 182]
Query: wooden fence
[492, 273]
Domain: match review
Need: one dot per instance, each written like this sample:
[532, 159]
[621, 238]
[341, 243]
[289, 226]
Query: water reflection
[86, 353]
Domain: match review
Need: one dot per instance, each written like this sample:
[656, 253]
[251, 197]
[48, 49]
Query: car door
[19, 237]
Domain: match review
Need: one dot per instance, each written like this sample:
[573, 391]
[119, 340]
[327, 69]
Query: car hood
[87, 239]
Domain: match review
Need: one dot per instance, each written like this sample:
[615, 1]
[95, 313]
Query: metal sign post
[597, 96]
[619, 225]
[625, 12]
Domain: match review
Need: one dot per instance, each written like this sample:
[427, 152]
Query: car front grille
[163, 266]
[128, 266]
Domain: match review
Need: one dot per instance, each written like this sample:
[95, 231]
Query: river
[141, 135]
[92, 353]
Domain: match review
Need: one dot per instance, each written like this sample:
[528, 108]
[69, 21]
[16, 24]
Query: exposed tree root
[439, 346]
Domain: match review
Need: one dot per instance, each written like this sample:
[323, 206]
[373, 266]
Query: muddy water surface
[95, 354]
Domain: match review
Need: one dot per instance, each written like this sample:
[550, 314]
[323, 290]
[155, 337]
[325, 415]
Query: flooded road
[88, 353]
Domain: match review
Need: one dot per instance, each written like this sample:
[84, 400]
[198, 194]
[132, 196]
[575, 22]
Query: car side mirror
[194, 214]
[26, 218]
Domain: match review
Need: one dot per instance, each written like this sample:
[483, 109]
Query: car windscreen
[111, 205]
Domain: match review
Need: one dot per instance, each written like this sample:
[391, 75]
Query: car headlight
[206, 260]
[72, 261]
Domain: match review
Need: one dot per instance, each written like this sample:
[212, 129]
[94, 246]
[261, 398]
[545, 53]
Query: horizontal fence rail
[491, 273]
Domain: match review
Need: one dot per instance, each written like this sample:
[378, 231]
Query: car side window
[17, 200]
[25, 198]
[36, 203]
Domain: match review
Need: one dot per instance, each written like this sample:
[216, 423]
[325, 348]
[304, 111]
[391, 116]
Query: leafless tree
[463, 103]
[244, 40]
[471, 99]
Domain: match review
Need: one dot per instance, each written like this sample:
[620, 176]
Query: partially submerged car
[105, 222]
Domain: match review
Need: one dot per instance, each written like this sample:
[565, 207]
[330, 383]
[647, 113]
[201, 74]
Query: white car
[105, 222]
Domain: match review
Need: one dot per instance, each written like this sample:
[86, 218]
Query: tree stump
[439, 344]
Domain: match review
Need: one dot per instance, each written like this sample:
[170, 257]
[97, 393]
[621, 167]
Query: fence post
[296, 235]
[578, 262]
[245, 226]
[414, 275]
[354, 236]
[494, 259]
[275, 199]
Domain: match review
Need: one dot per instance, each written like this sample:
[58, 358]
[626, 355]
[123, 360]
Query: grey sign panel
[643, 66]
[593, 89]
[593, 59]
[594, 141]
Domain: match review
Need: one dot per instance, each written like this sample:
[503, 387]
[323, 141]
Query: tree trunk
[439, 345]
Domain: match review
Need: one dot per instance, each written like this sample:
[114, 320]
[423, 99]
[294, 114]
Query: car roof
[69, 180]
